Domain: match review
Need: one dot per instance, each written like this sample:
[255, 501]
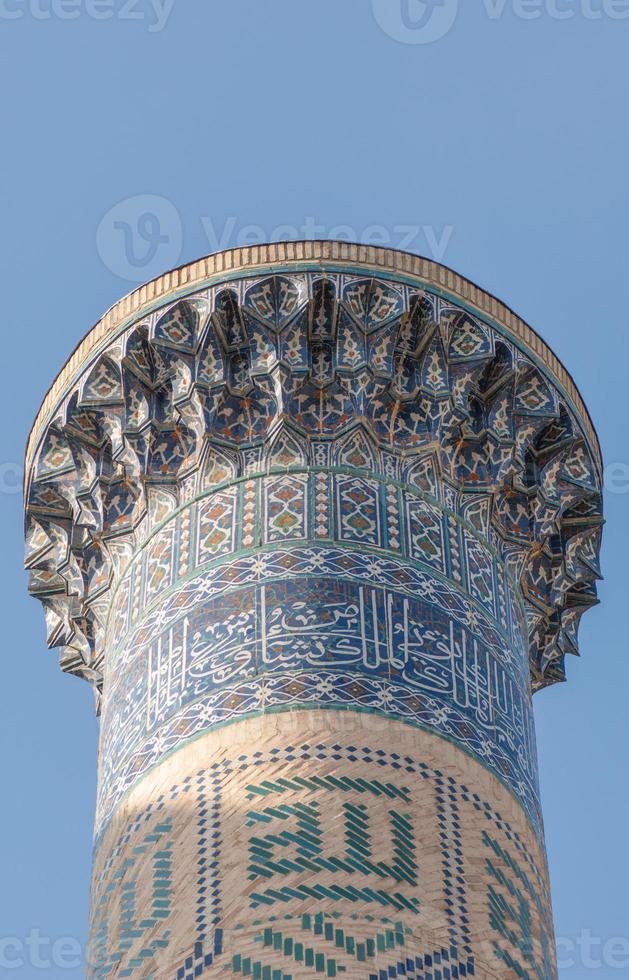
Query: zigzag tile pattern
[321, 858]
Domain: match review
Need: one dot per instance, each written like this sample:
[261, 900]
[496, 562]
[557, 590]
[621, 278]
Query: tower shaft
[315, 520]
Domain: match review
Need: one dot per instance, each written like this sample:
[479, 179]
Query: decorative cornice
[251, 360]
[253, 259]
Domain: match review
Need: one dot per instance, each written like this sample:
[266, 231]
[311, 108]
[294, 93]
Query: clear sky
[493, 137]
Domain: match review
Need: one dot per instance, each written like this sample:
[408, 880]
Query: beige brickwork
[468, 873]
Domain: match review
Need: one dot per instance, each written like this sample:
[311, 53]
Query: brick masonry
[315, 530]
[321, 844]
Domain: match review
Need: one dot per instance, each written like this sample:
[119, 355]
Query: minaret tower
[315, 520]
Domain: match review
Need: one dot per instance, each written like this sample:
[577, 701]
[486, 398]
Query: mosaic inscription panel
[373, 629]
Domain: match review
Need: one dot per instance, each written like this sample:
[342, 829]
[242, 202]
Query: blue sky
[489, 135]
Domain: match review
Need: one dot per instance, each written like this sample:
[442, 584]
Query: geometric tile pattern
[282, 509]
[316, 368]
[344, 858]
[299, 498]
[120, 896]
[266, 629]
